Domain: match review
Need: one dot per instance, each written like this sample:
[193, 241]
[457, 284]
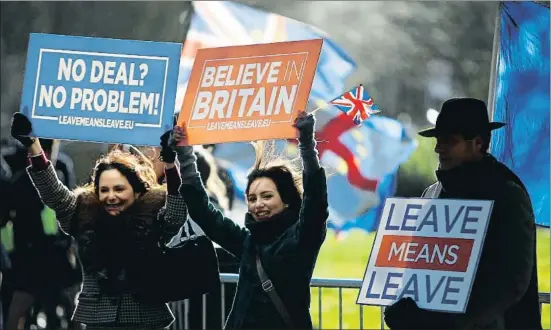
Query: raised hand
[167, 153]
[304, 123]
[21, 129]
[185, 153]
[180, 135]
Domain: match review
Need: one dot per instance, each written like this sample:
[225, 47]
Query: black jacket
[288, 246]
[104, 300]
[505, 289]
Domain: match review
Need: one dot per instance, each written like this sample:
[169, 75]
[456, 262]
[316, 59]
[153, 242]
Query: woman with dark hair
[119, 217]
[285, 228]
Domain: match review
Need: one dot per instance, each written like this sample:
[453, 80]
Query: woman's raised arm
[315, 208]
[216, 226]
[52, 191]
[174, 214]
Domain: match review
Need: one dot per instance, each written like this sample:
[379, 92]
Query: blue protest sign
[100, 90]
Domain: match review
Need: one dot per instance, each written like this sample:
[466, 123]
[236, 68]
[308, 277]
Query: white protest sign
[426, 249]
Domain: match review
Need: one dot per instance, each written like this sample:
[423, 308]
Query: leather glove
[305, 125]
[21, 128]
[167, 154]
[403, 314]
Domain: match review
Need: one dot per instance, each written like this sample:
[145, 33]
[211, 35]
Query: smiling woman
[117, 195]
[274, 185]
[264, 200]
[117, 185]
[118, 220]
[285, 227]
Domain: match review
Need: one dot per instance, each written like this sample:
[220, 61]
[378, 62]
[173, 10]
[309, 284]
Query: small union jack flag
[357, 104]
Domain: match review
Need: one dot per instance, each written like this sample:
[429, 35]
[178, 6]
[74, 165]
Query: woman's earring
[286, 205]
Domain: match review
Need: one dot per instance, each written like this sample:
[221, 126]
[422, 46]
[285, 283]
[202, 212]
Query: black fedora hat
[462, 115]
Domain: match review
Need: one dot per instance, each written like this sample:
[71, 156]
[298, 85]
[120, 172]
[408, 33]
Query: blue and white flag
[522, 99]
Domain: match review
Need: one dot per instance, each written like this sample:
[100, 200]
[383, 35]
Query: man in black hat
[504, 294]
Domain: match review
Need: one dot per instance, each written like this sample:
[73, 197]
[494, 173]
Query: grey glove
[307, 144]
[305, 126]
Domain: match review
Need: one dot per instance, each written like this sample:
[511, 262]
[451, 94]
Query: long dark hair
[285, 173]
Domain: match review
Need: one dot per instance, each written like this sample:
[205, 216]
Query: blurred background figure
[5, 176]
[221, 196]
[45, 271]
[5, 266]
[220, 189]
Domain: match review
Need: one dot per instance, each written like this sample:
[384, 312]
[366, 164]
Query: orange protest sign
[248, 93]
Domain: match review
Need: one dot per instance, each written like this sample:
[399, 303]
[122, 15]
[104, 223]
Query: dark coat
[78, 214]
[288, 246]
[505, 289]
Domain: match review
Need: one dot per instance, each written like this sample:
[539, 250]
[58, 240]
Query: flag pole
[187, 20]
[316, 109]
[494, 63]
[55, 152]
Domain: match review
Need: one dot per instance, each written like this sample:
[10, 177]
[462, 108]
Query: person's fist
[304, 123]
[21, 129]
[167, 154]
[179, 135]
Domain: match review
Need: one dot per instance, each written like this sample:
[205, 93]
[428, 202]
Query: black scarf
[114, 242]
[268, 230]
[110, 246]
[475, 177]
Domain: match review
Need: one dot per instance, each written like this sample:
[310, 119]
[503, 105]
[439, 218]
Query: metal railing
[181, 308]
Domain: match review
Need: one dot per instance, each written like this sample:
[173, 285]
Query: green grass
[347, 258]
